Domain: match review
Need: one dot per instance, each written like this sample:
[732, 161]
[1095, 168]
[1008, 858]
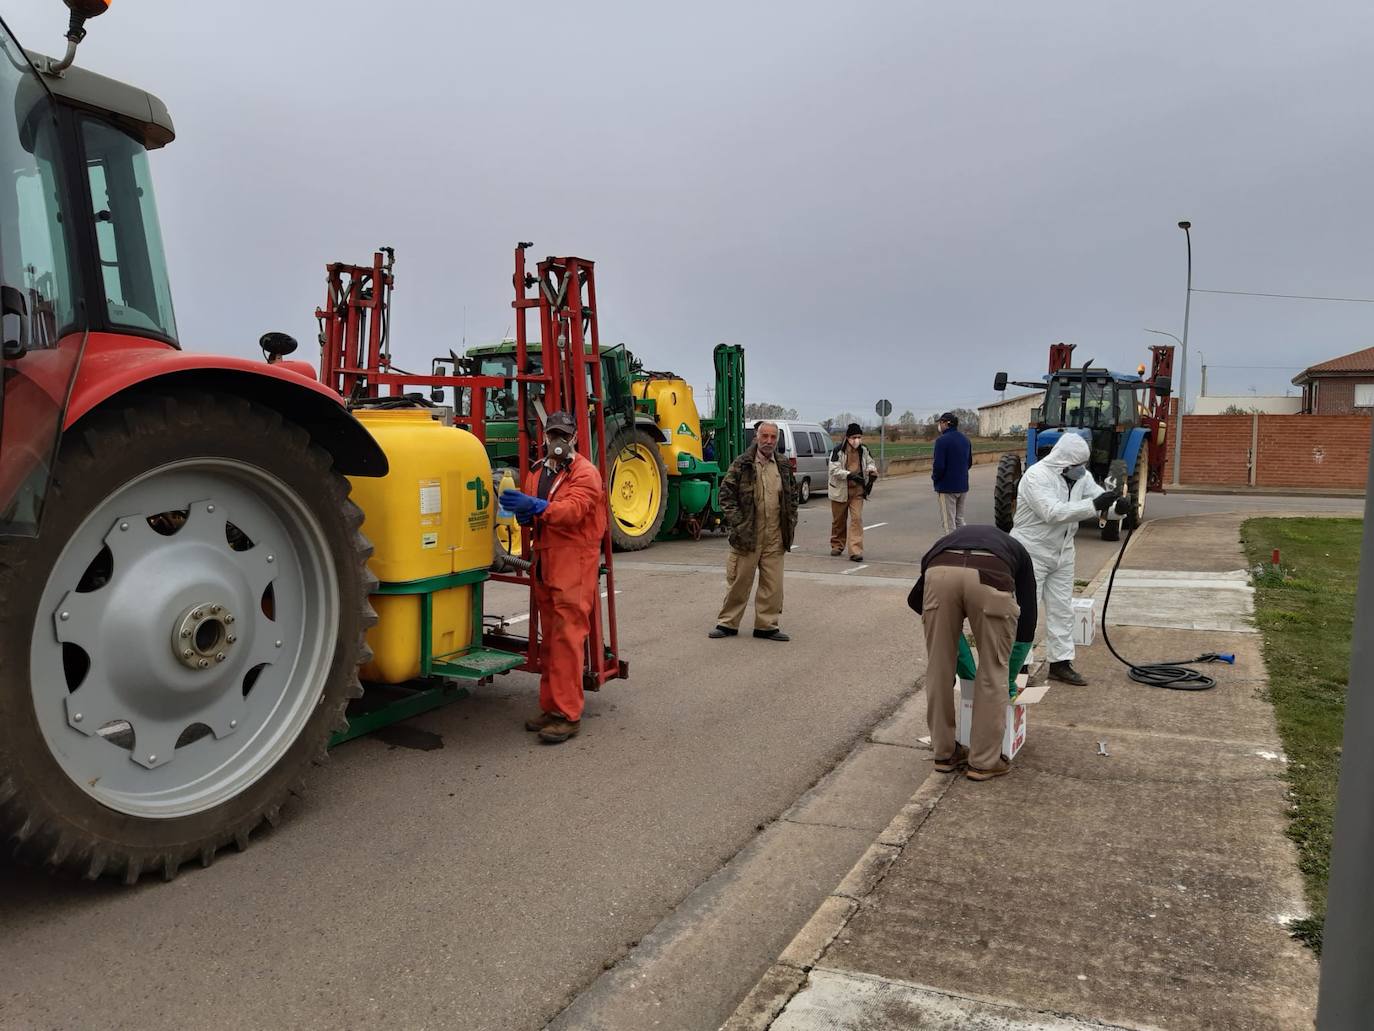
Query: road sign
[883, 408]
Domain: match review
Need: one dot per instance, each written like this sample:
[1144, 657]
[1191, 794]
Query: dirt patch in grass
[1305, 612]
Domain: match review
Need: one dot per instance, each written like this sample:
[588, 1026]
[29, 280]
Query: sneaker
[957, 761]
[1000, 770]
[772, 635]
[718, 632]
[1066, 674]
[539, 722]
[559, 730]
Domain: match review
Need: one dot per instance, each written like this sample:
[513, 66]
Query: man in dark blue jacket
[953, 460]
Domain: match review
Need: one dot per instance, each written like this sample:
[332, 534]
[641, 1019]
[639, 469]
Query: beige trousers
[740, 569]
[854, 510]
[953, 594]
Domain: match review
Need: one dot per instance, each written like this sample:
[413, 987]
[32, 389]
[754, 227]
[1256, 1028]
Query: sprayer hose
[1173, 674]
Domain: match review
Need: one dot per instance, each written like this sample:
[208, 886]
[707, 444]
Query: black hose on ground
[1174, 674]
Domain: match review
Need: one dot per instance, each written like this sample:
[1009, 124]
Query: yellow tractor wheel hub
[635, 489]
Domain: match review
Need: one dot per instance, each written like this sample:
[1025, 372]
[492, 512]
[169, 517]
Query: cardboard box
[1014, 734]
[1084, 623]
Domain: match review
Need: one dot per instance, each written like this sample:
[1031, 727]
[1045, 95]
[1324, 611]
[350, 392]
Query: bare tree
[768, 410]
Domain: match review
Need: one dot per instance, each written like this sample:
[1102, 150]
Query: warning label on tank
[429, 540]
[431, 503]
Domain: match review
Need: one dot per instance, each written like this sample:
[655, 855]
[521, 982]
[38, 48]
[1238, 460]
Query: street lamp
[1182, 392]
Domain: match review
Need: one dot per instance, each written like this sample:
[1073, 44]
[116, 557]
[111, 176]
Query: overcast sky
[875, 199]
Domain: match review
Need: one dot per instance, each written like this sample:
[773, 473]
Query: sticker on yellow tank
[429, 540]
[480, 516]
[431, 503]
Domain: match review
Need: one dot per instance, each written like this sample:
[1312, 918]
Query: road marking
[520, 619]
[874, 526]
[854, 570]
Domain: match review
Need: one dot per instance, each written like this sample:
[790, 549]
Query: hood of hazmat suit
[1048, 510]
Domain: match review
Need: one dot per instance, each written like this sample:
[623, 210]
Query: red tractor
[184, 587]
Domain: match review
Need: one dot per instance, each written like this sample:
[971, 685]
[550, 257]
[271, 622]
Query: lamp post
[1182, 392]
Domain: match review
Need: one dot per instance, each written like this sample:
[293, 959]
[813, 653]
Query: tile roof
[1355, 362]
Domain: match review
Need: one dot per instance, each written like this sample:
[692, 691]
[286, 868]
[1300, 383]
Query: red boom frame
[355, 360]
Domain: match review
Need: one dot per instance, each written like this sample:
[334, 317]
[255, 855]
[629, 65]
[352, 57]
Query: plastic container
[432, 515]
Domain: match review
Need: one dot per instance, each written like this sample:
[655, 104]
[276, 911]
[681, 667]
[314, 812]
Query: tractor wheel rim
[210, 557]
[635, 489]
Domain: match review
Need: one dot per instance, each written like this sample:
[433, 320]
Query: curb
[789, 973]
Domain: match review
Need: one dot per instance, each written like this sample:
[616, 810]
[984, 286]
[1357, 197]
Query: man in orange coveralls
[563, 506]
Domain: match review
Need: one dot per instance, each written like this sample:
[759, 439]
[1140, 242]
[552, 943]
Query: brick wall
[1312, 450]
[1216, 450]
[1293, 450]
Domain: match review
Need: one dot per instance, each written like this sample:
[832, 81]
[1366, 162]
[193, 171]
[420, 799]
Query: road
[455, 874]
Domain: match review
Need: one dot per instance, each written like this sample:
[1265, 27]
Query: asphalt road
[457, 875]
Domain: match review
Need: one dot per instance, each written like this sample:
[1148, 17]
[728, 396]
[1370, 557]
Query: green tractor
[665, 461]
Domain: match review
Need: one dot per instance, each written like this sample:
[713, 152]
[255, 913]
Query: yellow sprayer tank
[430, 522]
[677, 417]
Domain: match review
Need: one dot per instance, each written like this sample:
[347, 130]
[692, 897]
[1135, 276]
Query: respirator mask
[558, 447]
[1075, 472]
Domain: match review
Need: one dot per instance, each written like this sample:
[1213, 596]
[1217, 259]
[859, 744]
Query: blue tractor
[1123, 418]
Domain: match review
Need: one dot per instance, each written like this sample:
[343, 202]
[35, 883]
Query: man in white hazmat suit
[1055, 495]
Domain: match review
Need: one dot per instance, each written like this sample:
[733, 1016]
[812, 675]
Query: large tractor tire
[1137, 488]
[1004, 493]
[638, 489]
[1111, 529]
[180, 641]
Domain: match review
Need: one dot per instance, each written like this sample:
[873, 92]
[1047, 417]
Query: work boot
[1000, 770]
[954, 762]
[772, 635]
[558, 729]
[856, 558]
[540, 722]
[836, 552]
[719, 631]
[1065, 673]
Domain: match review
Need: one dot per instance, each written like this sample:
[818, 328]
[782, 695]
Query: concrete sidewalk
[1148, 888]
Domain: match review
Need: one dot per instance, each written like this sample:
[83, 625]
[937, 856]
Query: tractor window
[1090, 404]
[1127, 407]
[500, 403]
[38, 321]
[138, 296]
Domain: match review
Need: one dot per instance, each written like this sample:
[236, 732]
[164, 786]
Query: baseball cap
[561, 422]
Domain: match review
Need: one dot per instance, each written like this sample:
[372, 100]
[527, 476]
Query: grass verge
[1305, 612]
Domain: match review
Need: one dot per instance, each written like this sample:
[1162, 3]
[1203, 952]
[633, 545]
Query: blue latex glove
[522, 506]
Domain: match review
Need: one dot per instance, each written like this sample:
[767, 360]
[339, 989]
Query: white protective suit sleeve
[1043, 499]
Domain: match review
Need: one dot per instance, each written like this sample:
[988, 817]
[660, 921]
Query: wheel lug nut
[186, 633]
[187, 653]
[231, 638]
[228, 619]
[203, 663]
[216, 609]
[219, 657]
[198, 614]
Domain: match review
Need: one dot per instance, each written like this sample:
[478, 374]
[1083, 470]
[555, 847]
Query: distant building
[1341, 386]
[1001, 417]
[1218, 404]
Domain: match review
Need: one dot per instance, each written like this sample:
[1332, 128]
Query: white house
[1002, 417]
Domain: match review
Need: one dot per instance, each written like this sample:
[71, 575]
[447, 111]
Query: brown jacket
[737, 501]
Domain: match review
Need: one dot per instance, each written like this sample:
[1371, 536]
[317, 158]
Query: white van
[807, 447]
